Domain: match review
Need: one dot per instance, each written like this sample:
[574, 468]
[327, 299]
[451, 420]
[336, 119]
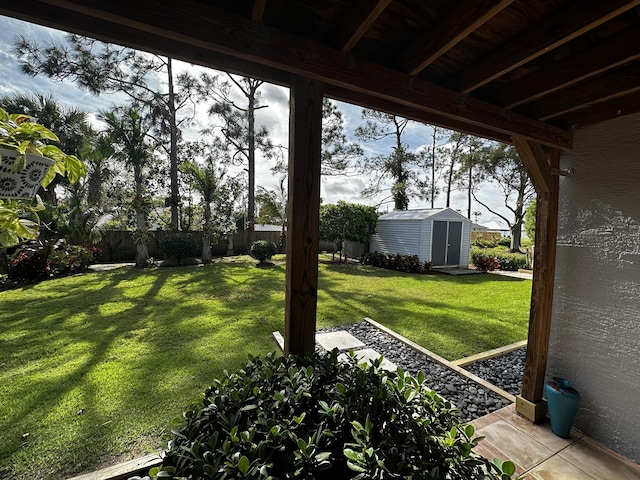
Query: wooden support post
[540, 162]
[303, 216]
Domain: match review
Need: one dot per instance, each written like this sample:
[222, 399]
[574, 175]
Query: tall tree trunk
[469, 190]
[142, 249]
[251, 214]
[173, 152]
[449, 183]
[516, 228]
[206, 238]
[433, 167]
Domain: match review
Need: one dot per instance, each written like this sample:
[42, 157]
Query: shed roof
[419, 214]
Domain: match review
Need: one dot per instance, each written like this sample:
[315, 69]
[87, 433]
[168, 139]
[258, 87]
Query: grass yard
[95, 366]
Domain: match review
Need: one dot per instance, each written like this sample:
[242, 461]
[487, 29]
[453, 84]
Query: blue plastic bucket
[562, 403]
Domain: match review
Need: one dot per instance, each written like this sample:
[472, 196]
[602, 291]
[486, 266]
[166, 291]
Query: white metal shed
[439, 235]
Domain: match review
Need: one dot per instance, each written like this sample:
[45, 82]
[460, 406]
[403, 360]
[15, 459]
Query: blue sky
[275, 118]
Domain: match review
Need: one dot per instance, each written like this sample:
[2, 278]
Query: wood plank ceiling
[535, 69]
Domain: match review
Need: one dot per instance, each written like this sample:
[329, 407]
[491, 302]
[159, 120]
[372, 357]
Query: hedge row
[508, 261]
[401, 263]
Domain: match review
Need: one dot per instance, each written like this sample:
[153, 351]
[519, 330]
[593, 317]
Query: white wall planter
[25, 183]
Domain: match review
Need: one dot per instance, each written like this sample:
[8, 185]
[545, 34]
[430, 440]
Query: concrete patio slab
[341, 340]
[369, 355]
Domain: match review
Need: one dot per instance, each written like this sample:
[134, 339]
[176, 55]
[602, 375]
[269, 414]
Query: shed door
[446, 243]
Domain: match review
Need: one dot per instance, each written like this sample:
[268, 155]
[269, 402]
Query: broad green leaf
[243, 465]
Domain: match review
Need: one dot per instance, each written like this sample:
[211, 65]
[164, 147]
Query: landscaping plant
[399, 262]
[319, 417]
[262, 250]
[178, 247]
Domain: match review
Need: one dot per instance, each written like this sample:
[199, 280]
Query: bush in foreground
[317, 417]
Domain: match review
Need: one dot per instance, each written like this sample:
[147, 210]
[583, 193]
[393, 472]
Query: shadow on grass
[149, 336]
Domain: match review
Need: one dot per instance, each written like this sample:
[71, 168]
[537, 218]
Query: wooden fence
[118, 246]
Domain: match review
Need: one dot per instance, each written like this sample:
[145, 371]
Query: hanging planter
[23, 183]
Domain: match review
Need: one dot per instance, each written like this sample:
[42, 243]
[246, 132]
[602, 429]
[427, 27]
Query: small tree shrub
[317, 417]
[401, 263]
[263, 250]
[29, 266]
[178, 247]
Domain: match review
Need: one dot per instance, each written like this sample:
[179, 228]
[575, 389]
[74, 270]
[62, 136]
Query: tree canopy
[347, 222]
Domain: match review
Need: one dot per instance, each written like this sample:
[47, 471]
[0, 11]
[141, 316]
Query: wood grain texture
[535, 162]
[542, 287]
[547, 35]
[619, 83]
[357, 21]
[462, 20]
[257, 9]
[303, 216]
[554, 76]
[600, 112]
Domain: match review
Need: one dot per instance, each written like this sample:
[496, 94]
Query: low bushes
[180, 248]
[263, 250]
[35, 264]
[506, 260]
[317, 417]
[401, 263]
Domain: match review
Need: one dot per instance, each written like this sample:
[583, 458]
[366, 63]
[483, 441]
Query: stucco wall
[595, 335]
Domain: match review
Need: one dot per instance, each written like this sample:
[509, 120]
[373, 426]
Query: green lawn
[95, 366]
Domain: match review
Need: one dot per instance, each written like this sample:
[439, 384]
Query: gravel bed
[504, 371]
[472, 399]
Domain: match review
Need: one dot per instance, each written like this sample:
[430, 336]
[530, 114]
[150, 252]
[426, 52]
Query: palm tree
[70, 124]
[209, 181]
[82, 224]
[127, 130]
[97, 156]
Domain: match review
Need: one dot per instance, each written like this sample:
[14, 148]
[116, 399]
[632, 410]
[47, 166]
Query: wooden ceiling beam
[558, 29]
[600, 112]
[362, 15]
[193, 23]
[257, 9]
[534, 161]
[461, 21]
[619, 83]
[553, 76]
[104, 31]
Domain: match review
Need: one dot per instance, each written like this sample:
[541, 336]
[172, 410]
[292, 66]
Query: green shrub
[513, 261]
[508, 261]
[317, 417]
[399, 262]
[70, 259]
[263, 250]
[504, 242]
[481, 243]
[29, 266]
[179, 246]
[486, 263]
